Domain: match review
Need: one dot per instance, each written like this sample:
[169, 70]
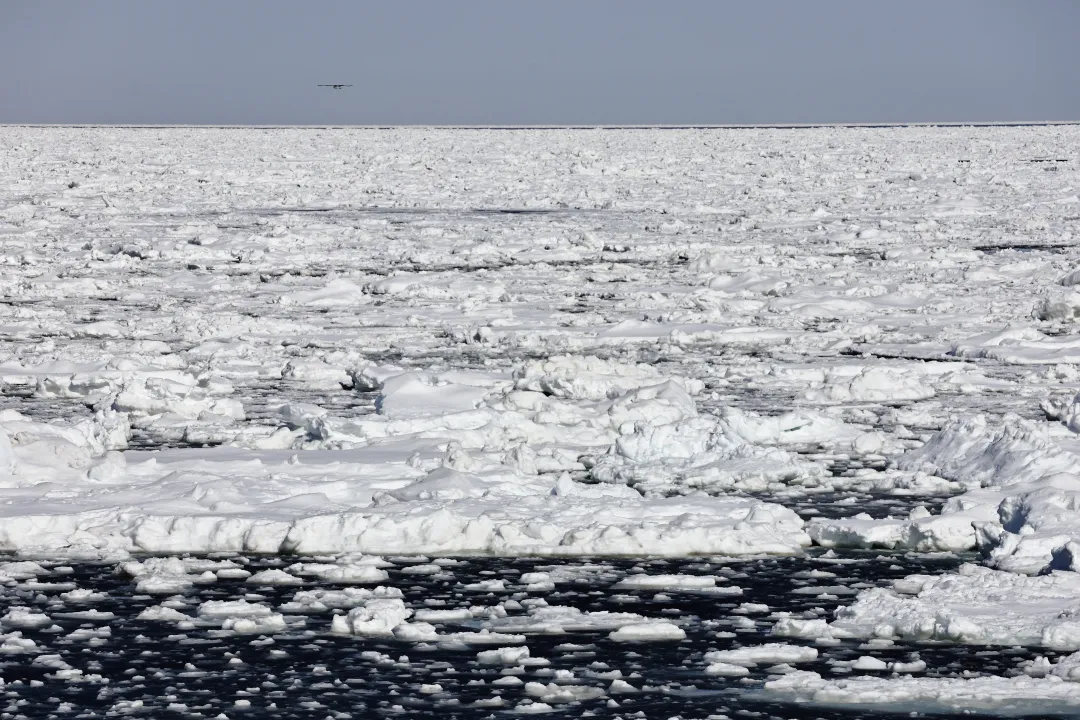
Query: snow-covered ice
[1000, 696]
[975, 605]
[557, 343]
[350, 347]
[771, 653]
[647, 632]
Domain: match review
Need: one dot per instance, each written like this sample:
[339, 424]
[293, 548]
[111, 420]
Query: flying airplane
[336, 87]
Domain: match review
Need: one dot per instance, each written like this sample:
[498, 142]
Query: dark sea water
[141, 668]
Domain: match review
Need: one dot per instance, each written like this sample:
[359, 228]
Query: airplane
[336, 87]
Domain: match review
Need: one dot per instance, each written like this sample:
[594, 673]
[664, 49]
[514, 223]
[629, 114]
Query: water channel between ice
[96, 657]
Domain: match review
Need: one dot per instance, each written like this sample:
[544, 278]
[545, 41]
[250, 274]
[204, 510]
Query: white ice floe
[15, 644]
[238, 616]
[376, 617]
[676, 583]
[163, 613]
[975, 605]
[319, 600]
[554, 694]
[1020, 509]
[484, 496]
[1020, 695]
[558, 619]
[82, 595]
[873, 385]
[1023, 489]
[270, 624]
[172, 575]
[650, 631]
[481, 637]
[274, 576]
[506, 656]
[22, 570]
[769, 653]
[444, 616]
[346, 573]
[229, 608]
[24, 618]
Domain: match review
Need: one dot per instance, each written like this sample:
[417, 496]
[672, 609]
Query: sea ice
[999, 695]
[658, 358]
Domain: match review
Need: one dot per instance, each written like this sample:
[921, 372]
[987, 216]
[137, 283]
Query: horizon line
[573, 126]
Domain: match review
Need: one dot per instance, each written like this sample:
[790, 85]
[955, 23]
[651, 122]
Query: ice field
[566, 346]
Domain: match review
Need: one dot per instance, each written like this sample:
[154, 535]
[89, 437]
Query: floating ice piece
[1023, 514]
[666, 582]
[232, 608]
[702, 452]
[164, 584]
[769, 653]
[976, 451]
[376, 617]
[434, 286]
[416, 632]
[483, 637]
[22, 569]
[508, 656]
[238, 616]
[588, 377]
[320, 600]
[25, 619]
[813, 628]
[652, 631]
[1000, 695]
[537, 581]
[1066, 667]
[874, 384]
[163, 613]
[975, 605]
[15, 644]
[1019, 345]
[1065, 306]
[724, 669]
[169, 575]
[274, 576]
[489, 496]
[262, 624]
[920, 532]
[797, 427]
[336, 293]
[1022, 488]
[315, 374]
[554, 694]
[82, 595]
[493, 585]
[532, 708]
[344, 574]
[182, 396]
[444, 616]
[503, 656]
[422, 569]
[418, 395]
[557, 619]
[866, 662]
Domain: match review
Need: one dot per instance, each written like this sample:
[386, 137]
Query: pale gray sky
[538, 62]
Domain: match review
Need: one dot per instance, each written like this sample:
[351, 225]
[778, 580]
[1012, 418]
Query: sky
[538, 62]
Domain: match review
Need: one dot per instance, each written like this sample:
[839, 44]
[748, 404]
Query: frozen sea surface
[563, 343]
